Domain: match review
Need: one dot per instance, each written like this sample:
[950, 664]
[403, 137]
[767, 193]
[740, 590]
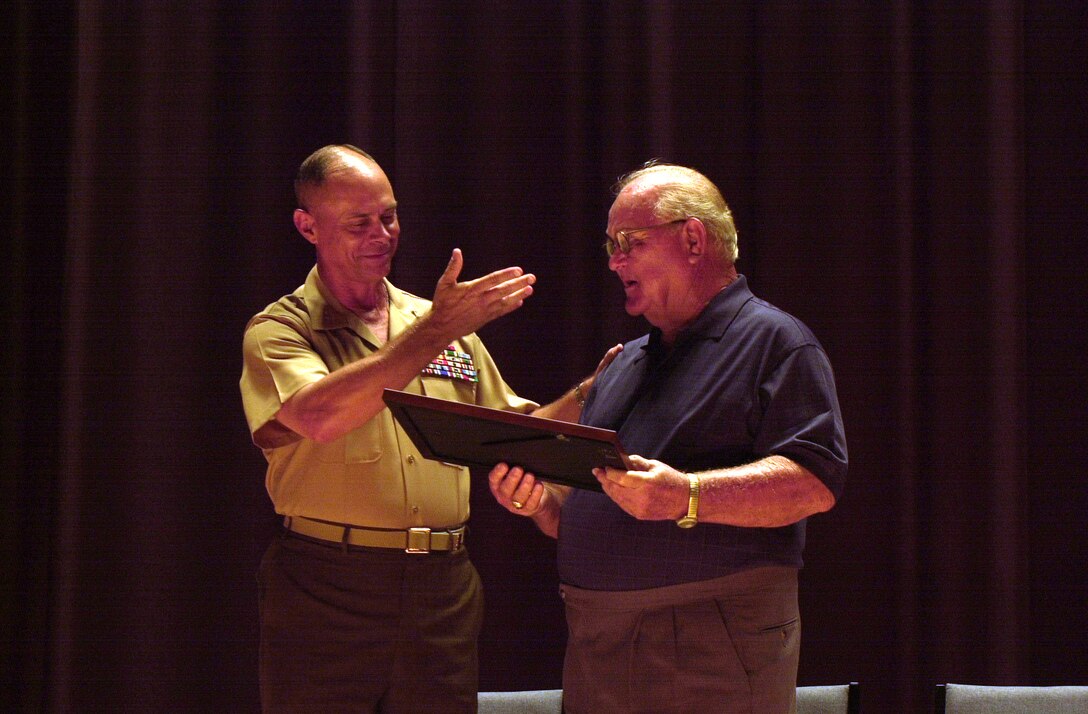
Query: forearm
[567, 407]
[349, 397]
[772, 492]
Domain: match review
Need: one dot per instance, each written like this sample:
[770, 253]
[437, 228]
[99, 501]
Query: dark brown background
[907, 177]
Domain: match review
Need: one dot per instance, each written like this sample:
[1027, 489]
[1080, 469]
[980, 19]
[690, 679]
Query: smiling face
[658, 273]
[351, 218]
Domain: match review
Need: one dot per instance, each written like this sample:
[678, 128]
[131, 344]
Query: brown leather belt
[410, 540]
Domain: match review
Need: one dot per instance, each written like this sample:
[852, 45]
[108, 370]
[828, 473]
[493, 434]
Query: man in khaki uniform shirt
[373, 474]
[369, 601]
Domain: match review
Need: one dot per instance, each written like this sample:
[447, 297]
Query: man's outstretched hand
[461, 308]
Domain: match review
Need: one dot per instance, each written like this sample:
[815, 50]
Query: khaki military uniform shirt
[373, 476]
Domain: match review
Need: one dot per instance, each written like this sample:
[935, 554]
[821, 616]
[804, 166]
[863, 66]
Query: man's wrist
[579, 394]
[691, 516]
[434, 332]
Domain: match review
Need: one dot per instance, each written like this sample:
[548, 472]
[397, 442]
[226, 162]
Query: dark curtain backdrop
[907, 177]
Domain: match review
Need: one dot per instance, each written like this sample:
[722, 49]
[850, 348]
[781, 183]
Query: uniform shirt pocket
[456, 390]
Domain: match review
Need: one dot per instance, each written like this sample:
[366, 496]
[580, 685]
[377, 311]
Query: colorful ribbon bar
[453, 364]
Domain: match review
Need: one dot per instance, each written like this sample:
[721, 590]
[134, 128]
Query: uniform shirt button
[411, 459]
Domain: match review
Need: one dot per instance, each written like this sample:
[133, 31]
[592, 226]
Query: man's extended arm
[347, 398]
[771, 492]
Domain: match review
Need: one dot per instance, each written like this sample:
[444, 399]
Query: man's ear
[304, 223]
[695, 239]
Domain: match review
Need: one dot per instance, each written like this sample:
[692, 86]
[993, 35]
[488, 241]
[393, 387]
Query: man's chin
[377, 264]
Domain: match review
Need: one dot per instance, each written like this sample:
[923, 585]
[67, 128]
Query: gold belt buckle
[419, 540]
[457, 539]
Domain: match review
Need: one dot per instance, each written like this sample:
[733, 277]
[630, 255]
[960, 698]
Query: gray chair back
[832, 699]
[829, 699]
[538, 701]
[983, 699]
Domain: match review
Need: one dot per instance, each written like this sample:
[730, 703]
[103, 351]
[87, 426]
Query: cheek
[651, 281]
[660, 291]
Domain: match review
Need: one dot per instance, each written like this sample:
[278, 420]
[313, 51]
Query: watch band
[579, 395]
[692, 516]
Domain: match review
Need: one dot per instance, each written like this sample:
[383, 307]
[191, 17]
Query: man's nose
[383, 234]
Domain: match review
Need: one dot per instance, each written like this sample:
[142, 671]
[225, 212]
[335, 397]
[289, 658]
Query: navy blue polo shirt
[744, 381]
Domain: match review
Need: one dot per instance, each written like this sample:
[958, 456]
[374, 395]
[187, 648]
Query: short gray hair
[686, 192]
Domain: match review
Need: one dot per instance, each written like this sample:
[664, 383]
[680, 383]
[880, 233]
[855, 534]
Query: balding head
[324, 163]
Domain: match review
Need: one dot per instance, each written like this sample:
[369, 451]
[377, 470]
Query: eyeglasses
[622, 241]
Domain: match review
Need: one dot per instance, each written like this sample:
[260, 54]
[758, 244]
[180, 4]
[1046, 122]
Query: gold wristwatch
[692, 516]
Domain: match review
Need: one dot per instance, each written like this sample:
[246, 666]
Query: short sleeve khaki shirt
[373, 476]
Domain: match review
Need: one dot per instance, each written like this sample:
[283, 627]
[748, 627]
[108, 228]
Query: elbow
[323, 434]
[822, 499]
[312, 427]
[812, 505]
[816, 495]
[324, 429]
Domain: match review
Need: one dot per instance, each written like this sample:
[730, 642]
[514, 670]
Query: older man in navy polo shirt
[680, 580]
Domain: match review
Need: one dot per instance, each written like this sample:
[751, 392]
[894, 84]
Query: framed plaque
[470, 435]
